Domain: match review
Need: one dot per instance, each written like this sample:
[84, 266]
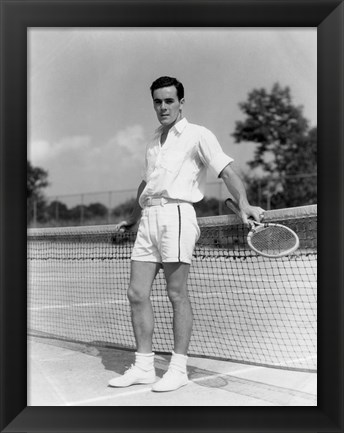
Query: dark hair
[166, 82]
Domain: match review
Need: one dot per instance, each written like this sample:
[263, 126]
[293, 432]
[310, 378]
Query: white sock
[178, 362]
[145, 361]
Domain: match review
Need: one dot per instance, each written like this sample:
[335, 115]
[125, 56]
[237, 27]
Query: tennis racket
[268, 239]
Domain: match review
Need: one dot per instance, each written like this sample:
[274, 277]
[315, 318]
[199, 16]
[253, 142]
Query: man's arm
[238, 191]
[137, 211]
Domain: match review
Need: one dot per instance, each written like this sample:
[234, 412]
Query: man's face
[167, 105]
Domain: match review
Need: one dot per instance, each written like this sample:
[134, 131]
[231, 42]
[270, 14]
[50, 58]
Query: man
[175, 172]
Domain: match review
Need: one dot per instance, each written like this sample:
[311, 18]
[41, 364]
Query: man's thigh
[176, 275]
[142, 275]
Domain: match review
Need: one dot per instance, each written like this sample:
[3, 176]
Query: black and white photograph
[162, 169]
[172, 216]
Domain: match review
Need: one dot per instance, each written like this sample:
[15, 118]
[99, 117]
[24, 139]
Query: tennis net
[246, 308]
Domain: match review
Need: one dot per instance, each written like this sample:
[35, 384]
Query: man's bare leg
[176, 275]
[141, 279]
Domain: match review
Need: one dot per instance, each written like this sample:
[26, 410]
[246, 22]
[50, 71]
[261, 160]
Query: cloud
[78, 164]
[39, 151]
[129, 141]
[42, 152]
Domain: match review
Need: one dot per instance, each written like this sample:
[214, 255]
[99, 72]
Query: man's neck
[166, 128]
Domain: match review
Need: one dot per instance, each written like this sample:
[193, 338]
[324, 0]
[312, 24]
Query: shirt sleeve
[144, 170]
[144, 166]
[211, 153]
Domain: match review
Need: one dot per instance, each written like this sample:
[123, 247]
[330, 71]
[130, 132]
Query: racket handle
[233, 206]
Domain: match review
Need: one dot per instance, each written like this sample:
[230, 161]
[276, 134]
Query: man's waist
[161, 201]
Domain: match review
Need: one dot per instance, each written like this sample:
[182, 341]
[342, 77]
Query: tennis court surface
[72, 374]
[255, 319]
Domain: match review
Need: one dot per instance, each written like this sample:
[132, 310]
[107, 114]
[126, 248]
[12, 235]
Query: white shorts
[166, 233]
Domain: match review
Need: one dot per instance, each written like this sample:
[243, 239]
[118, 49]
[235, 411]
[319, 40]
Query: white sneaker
[133, 376]
[171, 380]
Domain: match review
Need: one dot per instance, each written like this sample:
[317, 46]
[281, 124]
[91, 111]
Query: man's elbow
[227, 173]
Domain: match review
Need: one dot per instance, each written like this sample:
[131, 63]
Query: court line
[53, 385]
[148, 389]
[108, 397]
[192, 295]
[81, 304]
[88, 304]
[292, 361]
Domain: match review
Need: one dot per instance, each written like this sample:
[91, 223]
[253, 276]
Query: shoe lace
[134, 368]
[168, 374]
[131, 368]
[171, 371]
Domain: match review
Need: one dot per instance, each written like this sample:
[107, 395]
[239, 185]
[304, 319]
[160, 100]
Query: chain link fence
[109, 207]
[103, 207]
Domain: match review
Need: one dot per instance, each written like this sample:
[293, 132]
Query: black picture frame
[16, 18]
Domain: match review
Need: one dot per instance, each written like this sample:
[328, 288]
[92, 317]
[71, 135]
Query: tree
[57, 211]
[287, 146]
[123, 210]
[37, 179]
[97, 210]
[207, 206]
[78, 213]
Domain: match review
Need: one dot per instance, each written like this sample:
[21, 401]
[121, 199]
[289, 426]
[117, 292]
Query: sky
[90, 111]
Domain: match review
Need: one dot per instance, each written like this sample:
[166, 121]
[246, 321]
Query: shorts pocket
[190, 214]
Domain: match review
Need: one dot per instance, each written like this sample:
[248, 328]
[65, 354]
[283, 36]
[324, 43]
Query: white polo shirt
[177, 169]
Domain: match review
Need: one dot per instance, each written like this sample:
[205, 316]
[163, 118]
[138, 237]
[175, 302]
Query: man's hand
[247, 211]
[136, 213]
[124, 225]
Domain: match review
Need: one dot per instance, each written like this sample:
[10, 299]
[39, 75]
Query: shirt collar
[179, 126]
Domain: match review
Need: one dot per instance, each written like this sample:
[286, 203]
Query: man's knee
[177, 293]
[135, 295]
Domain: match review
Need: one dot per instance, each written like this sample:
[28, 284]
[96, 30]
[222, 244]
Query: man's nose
[163, 106]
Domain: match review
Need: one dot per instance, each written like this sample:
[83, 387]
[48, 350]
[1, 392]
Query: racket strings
[273, 239]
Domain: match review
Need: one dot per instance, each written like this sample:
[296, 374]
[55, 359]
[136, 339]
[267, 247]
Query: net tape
[246, 308]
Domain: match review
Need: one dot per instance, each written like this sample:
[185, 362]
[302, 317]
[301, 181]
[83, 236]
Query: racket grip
[235, 208]
[232, 206]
